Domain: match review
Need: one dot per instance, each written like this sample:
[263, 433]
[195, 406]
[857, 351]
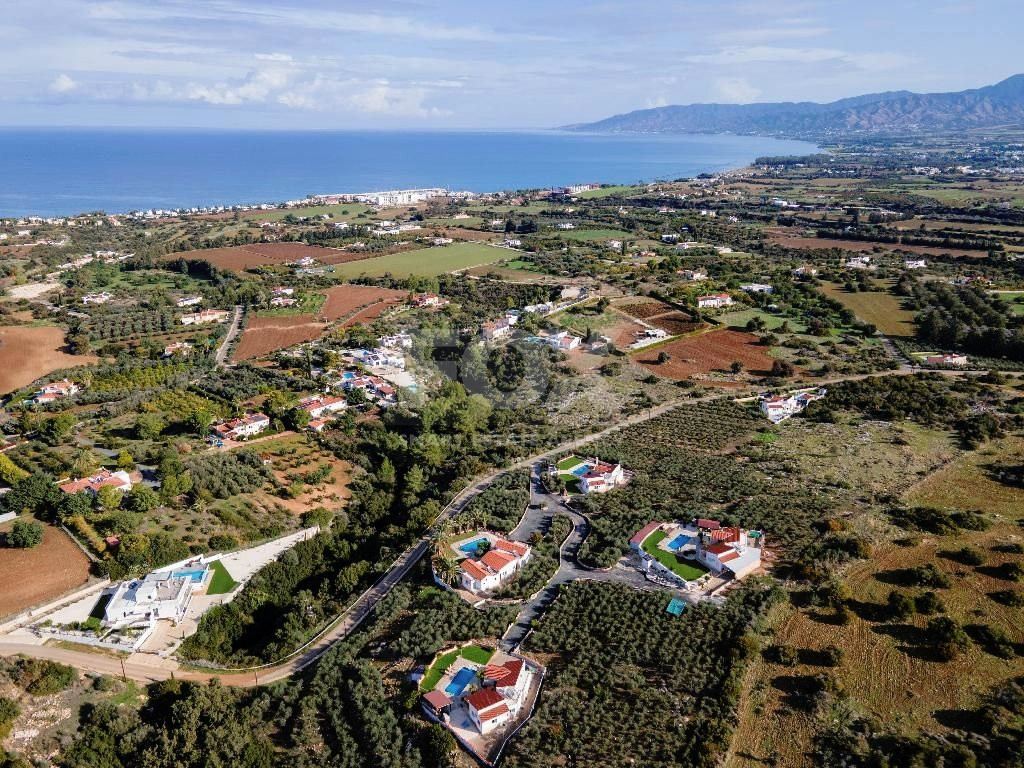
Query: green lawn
[772, 322]
[423, 262]
[621, 189]
[220, 582]
[568, 463]
[687, 569]
[473, 653]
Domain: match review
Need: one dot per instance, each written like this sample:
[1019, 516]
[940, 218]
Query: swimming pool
[470, 547]
[581, 470]
[462, 678]
[678, 542]
[195, 575]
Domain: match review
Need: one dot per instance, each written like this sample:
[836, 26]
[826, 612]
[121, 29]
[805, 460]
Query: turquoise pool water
[462, 678]
[581, 470]
[679, 541]
[470, 547]
[196, 575]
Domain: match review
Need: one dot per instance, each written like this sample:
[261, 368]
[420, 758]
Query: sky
[461, 64]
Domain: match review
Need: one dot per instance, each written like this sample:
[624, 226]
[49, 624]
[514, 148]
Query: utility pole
[124, 675]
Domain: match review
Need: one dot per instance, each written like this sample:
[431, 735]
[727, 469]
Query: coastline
[64, 172]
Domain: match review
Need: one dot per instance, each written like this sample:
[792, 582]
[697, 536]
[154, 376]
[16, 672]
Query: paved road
[145, 670]
[222, 350]
[569, 568]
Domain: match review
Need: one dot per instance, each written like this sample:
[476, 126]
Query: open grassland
[264, 335]
[34, 576]
[423, 262]
[883, 669]
[344, 300]
[621, 189]
[791, 239]
[882, 309]
[705, 353]
[772, 322]
[30, 352]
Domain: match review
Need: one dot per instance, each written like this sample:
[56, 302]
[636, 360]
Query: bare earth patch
[708, 353]
[264, 335]
[30, 352]
[34, 576]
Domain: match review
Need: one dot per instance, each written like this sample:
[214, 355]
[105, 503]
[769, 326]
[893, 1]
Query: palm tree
[447, 569]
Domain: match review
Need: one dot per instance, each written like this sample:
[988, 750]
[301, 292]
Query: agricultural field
[31, 352]
[772, 322]
[620, 189]
[588, 235]
[239, 258]
[264, 335]
[344, 300]
[790, 239]
[707, 353]
[423, 262]
[35, 576]
[294, 462]
[882, 309]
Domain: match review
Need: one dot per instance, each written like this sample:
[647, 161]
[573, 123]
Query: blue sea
[55, 172]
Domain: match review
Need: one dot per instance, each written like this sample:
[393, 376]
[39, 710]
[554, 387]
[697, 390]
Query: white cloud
[282, 57]
[735, 90]
[765, 54]
[768, 34]
[63, 84]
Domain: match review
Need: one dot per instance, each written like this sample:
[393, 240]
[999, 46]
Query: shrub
[43, 678]
[928, 604]
[25, 534]
[9, 711]
[964, 555]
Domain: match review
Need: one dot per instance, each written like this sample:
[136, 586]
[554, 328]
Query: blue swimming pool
[679, 541]
[348, 376]
[470, 547]
[581, 470]
[462, 678]
[196, 575]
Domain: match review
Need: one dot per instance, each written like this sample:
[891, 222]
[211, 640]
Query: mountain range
[893, 112]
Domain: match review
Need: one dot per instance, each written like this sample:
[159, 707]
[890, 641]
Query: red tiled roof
[485, 698]
[514, 668]
[496, 672]
[95, 482]
[496, 560]
[515, 547]
[498, 711]
[731, 556]
[726, 534]
[644, 532]
[710, 525]
[718, 548]
[437, 699]
[474, 570]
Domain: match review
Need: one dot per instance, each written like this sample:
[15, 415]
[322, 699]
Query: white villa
[189, 301]
[157, 596]
[104, 479]
[322, 404]
[756, 288]
[915, 264]
[97, 298]
[53, 391]
[957, 361]
[252, 423]
[502, 560]
[781, 407]
[602, 477]
[714, 301]
[206, 316]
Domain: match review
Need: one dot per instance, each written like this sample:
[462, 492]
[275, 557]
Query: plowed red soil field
[343, 300]
[34, 576]
[264, 335]
[238, 258]
[708, 352]
[30, 352]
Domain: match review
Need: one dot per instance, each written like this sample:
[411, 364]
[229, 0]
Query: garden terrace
[684, 568]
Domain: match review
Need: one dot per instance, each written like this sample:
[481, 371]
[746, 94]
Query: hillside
[996, 105]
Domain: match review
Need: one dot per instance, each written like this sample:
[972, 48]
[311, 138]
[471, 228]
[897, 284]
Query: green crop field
[423, 262]
[772, 322]
[623, 189]
[884, 310]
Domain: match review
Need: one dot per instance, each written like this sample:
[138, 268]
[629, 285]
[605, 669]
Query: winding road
[149, 668]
